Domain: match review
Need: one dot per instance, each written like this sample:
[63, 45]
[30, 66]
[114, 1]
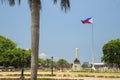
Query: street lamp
[52, 66]
[22, 70]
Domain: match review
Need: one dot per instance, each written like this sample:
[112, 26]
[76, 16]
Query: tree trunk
[34, 38]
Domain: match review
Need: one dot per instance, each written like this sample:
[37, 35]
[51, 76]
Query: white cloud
[42, 55]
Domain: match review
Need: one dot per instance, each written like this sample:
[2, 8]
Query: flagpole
[92, 55]
[90, 21]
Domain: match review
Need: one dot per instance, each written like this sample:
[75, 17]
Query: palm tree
[35, 6]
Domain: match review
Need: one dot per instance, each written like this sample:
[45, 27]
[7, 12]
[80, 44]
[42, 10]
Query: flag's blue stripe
[87, 19]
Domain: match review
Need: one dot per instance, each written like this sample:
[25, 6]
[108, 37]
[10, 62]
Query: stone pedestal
[76, 65]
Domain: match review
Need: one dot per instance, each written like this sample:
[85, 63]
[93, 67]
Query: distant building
[100, 66]
[76, 64]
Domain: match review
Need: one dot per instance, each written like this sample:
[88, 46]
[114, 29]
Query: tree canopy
[10, 55]
[111, 53]
[62, 63]
[6, 44]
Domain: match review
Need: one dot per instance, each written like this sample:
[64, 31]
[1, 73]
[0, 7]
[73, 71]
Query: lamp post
[22, 70]
[52, 66]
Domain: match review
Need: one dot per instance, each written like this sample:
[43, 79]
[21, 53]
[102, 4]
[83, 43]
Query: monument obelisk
[76, 65]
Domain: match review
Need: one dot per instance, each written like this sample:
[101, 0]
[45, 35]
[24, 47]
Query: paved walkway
[89, 78]
[70, 78]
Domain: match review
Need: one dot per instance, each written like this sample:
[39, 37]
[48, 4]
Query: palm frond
[55, 1]
[1, 1]
[11, 2]
[19, 1]
[65, 5]
[4, 1]
[30, 2]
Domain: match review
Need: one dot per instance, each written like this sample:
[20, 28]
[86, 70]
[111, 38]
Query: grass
[66, 74]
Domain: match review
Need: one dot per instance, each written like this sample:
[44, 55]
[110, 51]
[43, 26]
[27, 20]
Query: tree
[85, 65]
[48, 62]
[10, 55]
[6, 44]
[62, 63]
[41, 62]
[35, 6]
[111, 53]
[15, 57]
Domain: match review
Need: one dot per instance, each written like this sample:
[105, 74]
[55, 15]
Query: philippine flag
[87, 21]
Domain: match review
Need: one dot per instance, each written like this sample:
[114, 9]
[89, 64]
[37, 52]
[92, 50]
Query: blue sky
[61, 33]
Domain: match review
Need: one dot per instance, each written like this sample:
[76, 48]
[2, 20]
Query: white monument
[76, 65]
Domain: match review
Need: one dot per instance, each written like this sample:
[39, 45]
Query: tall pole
[92, 55]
